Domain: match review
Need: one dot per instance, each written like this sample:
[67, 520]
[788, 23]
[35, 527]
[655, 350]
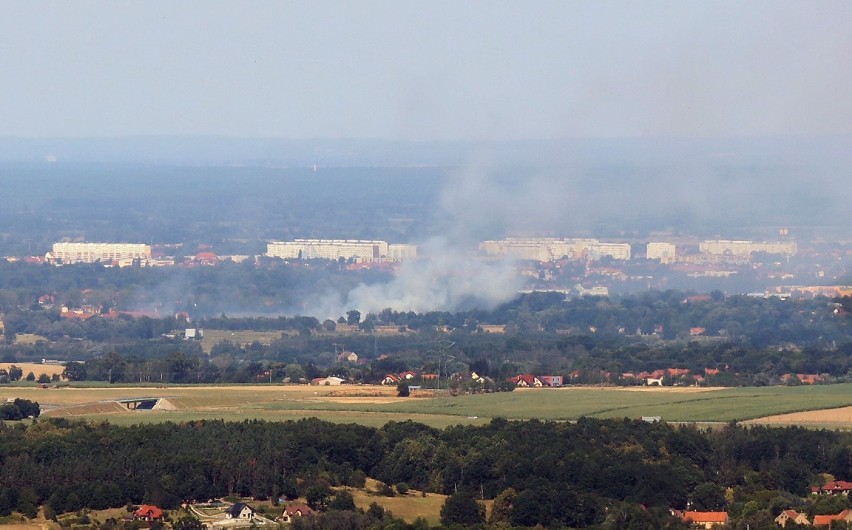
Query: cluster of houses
[237, 515]
[838, 487]
[668, 376]
[792, 516]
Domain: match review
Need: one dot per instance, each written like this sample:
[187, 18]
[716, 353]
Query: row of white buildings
[67, 253]
[551, 249]
[360, 250]
[534, 249]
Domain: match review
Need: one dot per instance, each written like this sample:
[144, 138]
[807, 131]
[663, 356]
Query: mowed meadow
[376, 405]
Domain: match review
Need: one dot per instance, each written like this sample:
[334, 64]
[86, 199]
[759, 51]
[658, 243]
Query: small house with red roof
[835, 487]
[705, 519]
[551, 380]
[148, 512]
[526, 380]
[391, 379]
[295, 510]
[826, 520]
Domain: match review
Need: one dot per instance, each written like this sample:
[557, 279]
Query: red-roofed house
[835, 487]
[705, 519]
[390, 379]
[147, 512]
[526, 380]
[826, 520]
[295, 510]
[551, 380]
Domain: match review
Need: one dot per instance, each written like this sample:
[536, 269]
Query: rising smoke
[449, 274]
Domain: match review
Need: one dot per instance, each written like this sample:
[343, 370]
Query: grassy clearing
[29, 338]
[407, 507]
[242, 338]
[374, 405]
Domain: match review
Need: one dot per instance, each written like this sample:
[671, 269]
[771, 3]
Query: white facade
[361, 250]
[551, 249]
[401, 251]
[744, 248]
[665, 252]
[619, 251]
[92, 252]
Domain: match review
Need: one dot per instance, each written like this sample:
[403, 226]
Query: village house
[791, 515]
[705, 519]
[826, 520]
[148, 513]
[347, 357]
[240, 511]
[295, 510]
[391, 379]
[526, 380]
[835, 487]
[551, 380]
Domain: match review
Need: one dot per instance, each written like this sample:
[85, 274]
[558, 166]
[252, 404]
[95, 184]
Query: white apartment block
[551, 249]
[742, 248]
[401, 251]
[360, 250]
[92, 252]
[619, 251]
[665, 252]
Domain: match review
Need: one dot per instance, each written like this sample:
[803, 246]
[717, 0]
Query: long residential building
[358, 249]
[744, 248]
[551, 249]
[91, 252]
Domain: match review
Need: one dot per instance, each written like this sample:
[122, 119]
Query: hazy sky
[425, 70]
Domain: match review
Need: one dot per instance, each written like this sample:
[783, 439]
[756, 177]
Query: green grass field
[370, 405]
[214, 336]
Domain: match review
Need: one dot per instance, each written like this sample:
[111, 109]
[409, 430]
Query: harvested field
[839, 417]
[374, 405]
[36, 368]
[240, 338]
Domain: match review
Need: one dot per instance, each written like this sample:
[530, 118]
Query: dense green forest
[561, 474]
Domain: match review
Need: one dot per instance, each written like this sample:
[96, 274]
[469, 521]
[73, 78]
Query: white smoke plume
[449, 274]
[446, 278]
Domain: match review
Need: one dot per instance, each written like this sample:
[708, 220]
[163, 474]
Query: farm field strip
[369, 404]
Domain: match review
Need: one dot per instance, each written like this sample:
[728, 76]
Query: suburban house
[391, 379]
[240, 511]
[551, 380]
[295, 510]
[705, 519]
[526, 380]
[791, 515]
[347, 357]
[149, 513]
[835, 487]
[826, 520]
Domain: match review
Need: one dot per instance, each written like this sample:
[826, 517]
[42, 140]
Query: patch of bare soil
[840, 417]
[101, 407]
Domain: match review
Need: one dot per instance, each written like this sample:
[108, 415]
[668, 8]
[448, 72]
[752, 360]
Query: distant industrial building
[744, 249]
[552, 249]
[66, 253]
[665, 252]
[334, 249]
